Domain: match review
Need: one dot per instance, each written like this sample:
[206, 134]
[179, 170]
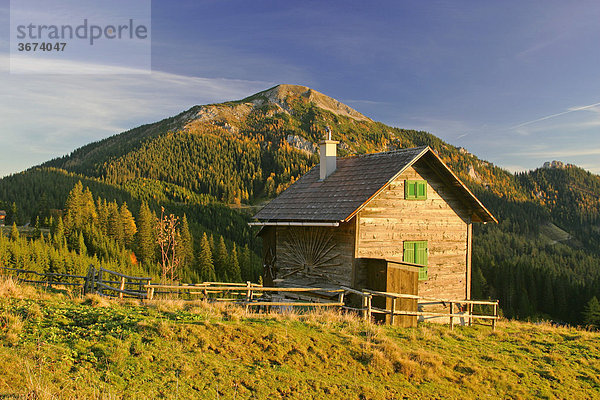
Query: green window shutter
[409, 252]
[416, 252]
[410, 190]
[422, 190]
[415, 190]
[423, 273]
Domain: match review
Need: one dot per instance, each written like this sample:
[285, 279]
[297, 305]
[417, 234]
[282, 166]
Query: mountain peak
[279, 95]
[231, 113]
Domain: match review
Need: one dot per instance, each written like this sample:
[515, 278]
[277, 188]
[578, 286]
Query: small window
[415, 190]
[416, 252]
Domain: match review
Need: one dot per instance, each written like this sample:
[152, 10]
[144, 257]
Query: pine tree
[129, 228]
[14, 232]
[246, 264]
[206, 269]
[186, 244]
[37, 233]
[146, 236]
[115, 224]
[102, 209]
[232, 267]
[12, 215]
[220, 260]
[81, 248]
[211, 241]
[73, 210]
[591, 313]
[58, 233]
[44, 209]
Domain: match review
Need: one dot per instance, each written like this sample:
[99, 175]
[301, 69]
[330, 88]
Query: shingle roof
[355, 180]
[353, 184]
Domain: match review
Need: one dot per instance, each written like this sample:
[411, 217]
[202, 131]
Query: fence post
[470, 310]
[122, 287]
[451, 317]
[364, 306]
[149, 292]
[393, 309]
[495, 316]
[341, 300]
[99, 281]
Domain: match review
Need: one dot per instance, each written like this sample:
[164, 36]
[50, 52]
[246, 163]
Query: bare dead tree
[168, 238]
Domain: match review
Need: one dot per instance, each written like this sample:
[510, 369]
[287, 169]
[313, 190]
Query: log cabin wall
[333, 256]
[442, 220]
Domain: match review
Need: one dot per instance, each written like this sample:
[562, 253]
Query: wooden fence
[101, 281]
[114, 284]
[368, 310]
[252, 295]
[104, 282]
[45, 278]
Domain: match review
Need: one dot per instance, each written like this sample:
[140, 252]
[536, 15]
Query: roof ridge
[383, 153]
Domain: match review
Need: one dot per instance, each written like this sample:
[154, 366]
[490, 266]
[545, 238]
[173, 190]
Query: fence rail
[95, 283]
[115, 284]
[451, 315]
[52, 277]
[251, 294]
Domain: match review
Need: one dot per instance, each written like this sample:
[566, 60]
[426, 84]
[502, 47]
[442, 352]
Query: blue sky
[516, 83]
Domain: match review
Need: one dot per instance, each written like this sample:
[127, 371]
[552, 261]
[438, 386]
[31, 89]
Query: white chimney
[328, 149]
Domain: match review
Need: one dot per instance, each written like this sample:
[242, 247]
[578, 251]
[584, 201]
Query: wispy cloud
[561, 153]
[44, 116]
[547, 117]
[370, 102]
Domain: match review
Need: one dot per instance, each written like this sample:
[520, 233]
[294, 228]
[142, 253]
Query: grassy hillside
[63, 346]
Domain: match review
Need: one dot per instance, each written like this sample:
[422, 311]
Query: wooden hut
[404, 207]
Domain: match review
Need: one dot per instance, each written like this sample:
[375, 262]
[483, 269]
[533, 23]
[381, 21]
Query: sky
[514, 82]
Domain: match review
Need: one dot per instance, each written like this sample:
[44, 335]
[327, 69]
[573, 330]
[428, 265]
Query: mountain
[217, 162]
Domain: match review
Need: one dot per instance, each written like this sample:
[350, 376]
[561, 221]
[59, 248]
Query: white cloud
[44, 116]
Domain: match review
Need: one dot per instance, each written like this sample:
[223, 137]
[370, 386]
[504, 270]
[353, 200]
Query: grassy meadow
[59, 345]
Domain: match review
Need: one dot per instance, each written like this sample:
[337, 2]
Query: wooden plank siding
[442, 220]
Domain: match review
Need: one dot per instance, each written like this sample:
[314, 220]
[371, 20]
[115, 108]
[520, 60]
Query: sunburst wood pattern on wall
[308, 251]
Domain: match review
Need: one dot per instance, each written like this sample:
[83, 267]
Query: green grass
[63, 346]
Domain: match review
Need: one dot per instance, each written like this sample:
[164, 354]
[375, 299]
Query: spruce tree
[37, 233]
[73, 208]
[102, 209]
[58, 235]
[14, 232]
[591, 313]
[115, 224]
[186, 245]
[129, 228]
[220, 260]
[206, 269]
[89, 213]
[146, 236]
[12, 215]
[81, 248]
[232, 267]
[246, 264]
